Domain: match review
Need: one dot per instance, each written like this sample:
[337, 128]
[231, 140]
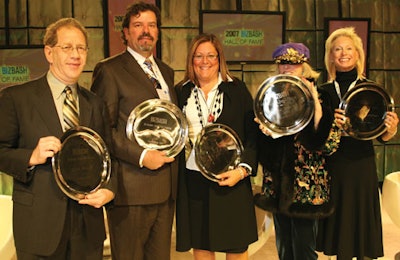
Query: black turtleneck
[345, 79]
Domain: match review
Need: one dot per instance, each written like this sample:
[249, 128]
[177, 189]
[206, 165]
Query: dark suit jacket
[123, 84]
[27, 113]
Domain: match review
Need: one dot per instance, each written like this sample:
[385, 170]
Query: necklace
[215, 110]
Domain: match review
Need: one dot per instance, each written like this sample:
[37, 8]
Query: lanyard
[343, 133]
[213, 110]
[338, 88]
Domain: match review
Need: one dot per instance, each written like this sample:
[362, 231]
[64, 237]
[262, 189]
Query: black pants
[74, 244]
[295, 237]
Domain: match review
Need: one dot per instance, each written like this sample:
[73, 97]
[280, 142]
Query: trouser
[74, 243]
[295, 237]
[141, 232]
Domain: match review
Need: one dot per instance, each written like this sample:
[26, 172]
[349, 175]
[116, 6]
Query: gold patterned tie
[70, 110]
[153, 80]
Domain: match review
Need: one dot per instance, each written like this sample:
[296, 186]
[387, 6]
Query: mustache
[146, 35]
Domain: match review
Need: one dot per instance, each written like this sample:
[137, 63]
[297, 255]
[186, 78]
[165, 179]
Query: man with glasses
[141, 219]
[47, 223]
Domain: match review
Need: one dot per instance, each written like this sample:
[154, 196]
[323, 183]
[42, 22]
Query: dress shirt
[57, 90]
[163, 93]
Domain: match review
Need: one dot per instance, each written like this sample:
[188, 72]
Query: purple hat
[291, 53]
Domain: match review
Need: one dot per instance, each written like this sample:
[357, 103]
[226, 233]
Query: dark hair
[135, 10]
[50, 37]
[202, 38]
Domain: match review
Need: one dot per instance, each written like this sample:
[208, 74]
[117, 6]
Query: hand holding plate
[284, 105]
[155, 159]
[157, 124]
[46, 148]
[230, 178]
[340, 117]
[391, 122]
[83, 164]
[217, 150]
[98, 198]
[366, 106]
[263, 129]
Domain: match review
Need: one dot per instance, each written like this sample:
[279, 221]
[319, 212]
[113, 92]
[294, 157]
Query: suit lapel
[135, 70]
[168, 79]
[85, 109]
[47, 110]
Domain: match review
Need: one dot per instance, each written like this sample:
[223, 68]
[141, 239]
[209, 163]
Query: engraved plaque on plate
[217, 150]
[284, 104]
[83, 164]
[365, 108]
[158, 124]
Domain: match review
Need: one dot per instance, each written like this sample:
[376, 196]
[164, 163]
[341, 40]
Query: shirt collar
[57, 87]
[139, 58]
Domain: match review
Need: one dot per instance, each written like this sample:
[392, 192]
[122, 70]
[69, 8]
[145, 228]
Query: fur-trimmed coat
[295, 181]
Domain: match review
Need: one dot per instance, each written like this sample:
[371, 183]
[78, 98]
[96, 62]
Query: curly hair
[135, 10]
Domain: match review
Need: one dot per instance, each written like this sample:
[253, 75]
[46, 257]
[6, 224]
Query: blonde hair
[307, 71]
[351, 34]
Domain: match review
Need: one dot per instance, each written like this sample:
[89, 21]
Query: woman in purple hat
[296, 184]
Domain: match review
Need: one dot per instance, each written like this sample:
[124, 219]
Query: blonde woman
[355, 228]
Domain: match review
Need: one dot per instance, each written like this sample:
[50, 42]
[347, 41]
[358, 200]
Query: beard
[148, 43]
[146, 47]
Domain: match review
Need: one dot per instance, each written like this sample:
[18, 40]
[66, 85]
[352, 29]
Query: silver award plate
[158, 124]
[365, 108]
[284, 104]
[218, 149]
[83, 164]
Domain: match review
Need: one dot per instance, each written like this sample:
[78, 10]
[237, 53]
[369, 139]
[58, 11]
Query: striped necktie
[70, 110]
[153, 80]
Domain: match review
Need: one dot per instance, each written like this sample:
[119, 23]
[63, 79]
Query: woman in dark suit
[215, 216]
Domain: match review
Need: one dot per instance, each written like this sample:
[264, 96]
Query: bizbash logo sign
[14, 74]
[243, 37]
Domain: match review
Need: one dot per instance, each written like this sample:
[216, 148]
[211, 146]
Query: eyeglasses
[69, 49]
[209, 57]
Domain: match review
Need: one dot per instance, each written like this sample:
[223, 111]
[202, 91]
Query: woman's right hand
[340, 117]
[231, 177]
[262, 127]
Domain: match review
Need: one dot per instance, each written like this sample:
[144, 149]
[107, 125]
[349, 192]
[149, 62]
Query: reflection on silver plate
[284, 104]
[365, 108]
[217, 150]
[158, 124]
[83, 164]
